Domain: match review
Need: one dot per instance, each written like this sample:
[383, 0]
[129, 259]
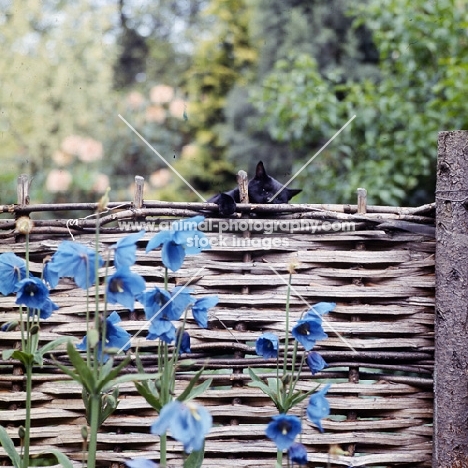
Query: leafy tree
[56, 67]
[222, 59]
[390, 147]
[281, 29]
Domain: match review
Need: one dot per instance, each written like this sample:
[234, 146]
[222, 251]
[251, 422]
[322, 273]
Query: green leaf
[110, 374]
[9, 447]
[57, 458]
[298, 397]
[199, 390]
[7, 353]
[184, 395]
[150, 393]
[257, 382]
[128, 378]
[39, 354]
[81, 368]
[195, 459]
[26, 358]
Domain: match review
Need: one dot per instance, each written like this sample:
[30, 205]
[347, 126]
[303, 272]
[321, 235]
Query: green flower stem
[293, 382]
[95, 408]
[286, 338]
[279, 458]
[163, 450]
[27, 421]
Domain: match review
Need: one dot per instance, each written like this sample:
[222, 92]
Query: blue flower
[162, 329]
[283, 429]
[184, 341]
[123, 287]
[200, 309]
[141, 463]
[320, 308]
[267, 345]
[183, 238]
[188, 422]
[125, 250]
[161, 304]
[116, 337]
[75, 261]
[318, 407]
[308, 330]
[315, 362]
[12, 270]
[298, 454]
[32, 292]
[47, 309]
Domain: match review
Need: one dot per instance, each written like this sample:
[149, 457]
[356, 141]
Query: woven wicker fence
[377, 265]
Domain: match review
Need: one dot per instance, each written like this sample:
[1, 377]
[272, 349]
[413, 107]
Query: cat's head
[263, 187]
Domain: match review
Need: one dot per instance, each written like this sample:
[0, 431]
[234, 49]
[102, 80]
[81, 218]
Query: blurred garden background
[217, 85]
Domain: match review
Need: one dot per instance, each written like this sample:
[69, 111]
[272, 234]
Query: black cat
[261, 190]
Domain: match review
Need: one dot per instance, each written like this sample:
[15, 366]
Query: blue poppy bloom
[125, 250]
[32, 292]
[320, 308]
[50, 274]
[75, 261]
[283, 429]
[188, 422]
[47, 309]
[308, 330]
[184, 341]
[267, 345]
[12, 270]
[315, 362]
[162, 329]
[318, 407]
[161, 304]
[116, 337]
[123, 287]
[200, 309]
[298, 454]
[183, 238]
[141, 463]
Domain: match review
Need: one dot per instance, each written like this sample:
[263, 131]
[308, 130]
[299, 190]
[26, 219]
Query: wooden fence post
[451, 319]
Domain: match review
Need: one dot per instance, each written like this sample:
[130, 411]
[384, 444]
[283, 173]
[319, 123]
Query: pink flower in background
[160, 178]
[101, 182]
[90, 150]
[161, 94]
[61, 158]
[177, 108]
[71, 144]
[155, 114]
[189, 151]
[135, 100]
[58, 180]
[87, 149]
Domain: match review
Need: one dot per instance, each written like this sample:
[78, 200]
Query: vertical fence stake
[138, 194]
[451, 314]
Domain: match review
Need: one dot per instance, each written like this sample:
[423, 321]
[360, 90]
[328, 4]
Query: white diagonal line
[332, 328]
[164, 161]
[312, 158]
[148, 322]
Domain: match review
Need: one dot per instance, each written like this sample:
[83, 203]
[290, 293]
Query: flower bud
[24, 225]
[84, 433]
[21, 432]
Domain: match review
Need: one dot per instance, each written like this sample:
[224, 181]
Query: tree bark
[451, 319]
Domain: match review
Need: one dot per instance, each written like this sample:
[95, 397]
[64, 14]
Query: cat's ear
[260, 172]
[226, 204]
[293, 192]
